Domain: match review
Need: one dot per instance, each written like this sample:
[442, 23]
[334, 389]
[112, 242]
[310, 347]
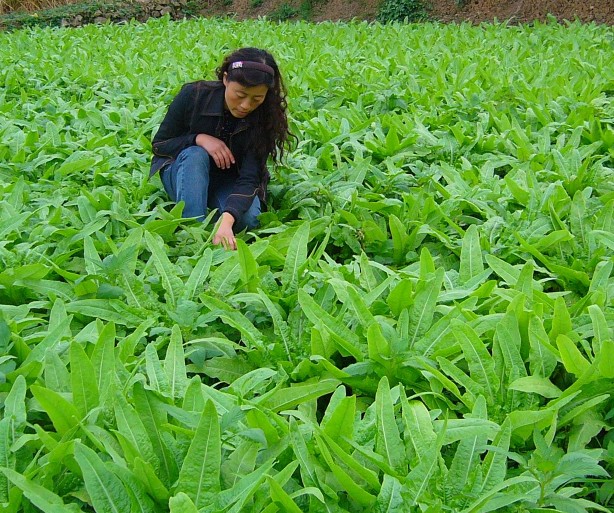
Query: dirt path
[474, 11]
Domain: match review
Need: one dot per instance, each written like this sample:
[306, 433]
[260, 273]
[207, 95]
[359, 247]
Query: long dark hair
[271, 120]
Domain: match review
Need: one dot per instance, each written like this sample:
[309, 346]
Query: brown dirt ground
[473, 11]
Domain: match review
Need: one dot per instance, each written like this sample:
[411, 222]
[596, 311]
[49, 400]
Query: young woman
[213, 144]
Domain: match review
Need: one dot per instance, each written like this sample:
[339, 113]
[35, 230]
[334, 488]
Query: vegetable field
[424, 322]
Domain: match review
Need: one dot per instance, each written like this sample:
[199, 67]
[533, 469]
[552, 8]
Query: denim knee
[191, 175]
[195, 155]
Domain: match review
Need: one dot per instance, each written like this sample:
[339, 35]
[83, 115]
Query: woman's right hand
[217, 150]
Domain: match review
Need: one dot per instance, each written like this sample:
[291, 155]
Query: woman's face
[241, 100]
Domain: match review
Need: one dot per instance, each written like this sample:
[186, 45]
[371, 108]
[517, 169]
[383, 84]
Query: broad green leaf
[353, 489]
[471, 263]
[400, 297]
[146, 474]
[465, 470]
[226, 369]
[199, 476]
[439, 336]
[280, 325]
[62, 413]
[536, 385]
[158, 378]
[15, 405]
[360, 308]
[606, 359]
[507, 272]
[7, 456]
[561, 320]
[224, 279]
[240, 462]
[453, 430]
[103, 360]
[296, 258]
[141, 501]
[346, 339]
[181, 503]
[198, 276]
[106, 491]
[286, 398]
[112, 310]
[572, 358]
[585, 428]
[256, 379]
[339, 425]
[601, 330]
[281, 497]
[583, 407]
[83, 381]
[388, 439]
[351, 463]
[168, 274]
[153, 416]
[419, 433]
[542, 355]
[400, 239]
[602, 273]
[307, 461]
[128, 344]
[508, 344]
[495, 462]
[419, 478]
[251, 335]
[51, 340]
[422, 310]
[603, 237]
[389, 499]
[76, 164]
[377, 344]
[481, 364]
[243, 491]
[524, 422]
[129, 425]
[41, 497]
[247, 265]
[174, 364]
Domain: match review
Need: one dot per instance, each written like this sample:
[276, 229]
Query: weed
[402, 10]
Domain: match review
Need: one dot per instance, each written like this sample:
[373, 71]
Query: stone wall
[140, 10]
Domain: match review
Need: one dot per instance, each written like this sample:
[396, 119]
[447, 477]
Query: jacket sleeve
[247, 186]
[174, 135]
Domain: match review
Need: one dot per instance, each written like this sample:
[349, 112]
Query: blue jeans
[194, 179]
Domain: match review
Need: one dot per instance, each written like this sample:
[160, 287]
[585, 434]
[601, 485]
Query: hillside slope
[474, 11]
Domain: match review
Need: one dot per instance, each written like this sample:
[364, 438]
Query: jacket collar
[215, 105]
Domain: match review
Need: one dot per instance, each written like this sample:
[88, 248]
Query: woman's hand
[217, 149]
[224, 234]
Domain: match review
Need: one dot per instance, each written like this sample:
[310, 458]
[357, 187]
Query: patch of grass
[401, 10]
[284, 12]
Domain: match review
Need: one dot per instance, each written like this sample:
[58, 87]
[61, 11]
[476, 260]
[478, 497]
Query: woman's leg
[219, 191]
[187, 180]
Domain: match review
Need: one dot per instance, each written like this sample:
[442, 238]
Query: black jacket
[198, 109]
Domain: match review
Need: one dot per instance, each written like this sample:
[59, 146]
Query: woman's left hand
[224, 234]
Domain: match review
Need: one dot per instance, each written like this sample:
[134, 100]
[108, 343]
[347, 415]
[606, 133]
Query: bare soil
[447, 11]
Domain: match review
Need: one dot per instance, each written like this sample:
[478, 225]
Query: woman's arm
[173, 135]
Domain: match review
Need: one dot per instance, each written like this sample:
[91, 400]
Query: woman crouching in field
[213, 144]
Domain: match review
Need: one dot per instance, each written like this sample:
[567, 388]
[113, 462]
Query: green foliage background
[423, 323]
